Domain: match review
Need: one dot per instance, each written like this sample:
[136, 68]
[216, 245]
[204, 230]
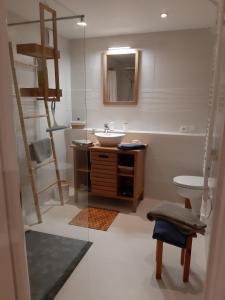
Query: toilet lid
[191, 182]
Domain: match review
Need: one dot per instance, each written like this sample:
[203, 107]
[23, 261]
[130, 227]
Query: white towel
[112, 85]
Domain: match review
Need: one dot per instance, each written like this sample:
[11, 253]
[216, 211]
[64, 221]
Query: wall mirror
[121, 77]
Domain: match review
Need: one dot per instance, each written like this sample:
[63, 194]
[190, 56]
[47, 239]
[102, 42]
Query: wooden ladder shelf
[35, 50]
[43, 53]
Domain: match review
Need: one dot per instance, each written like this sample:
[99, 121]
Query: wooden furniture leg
[134, 205]
[187, 259]
[75, 161]
[159, 254]
[188, 203]
[182, 256]
[76, 196]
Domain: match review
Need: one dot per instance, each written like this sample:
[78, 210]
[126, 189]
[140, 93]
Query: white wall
[174, 83]
[175, 72]
[168, 155]
[174, 87]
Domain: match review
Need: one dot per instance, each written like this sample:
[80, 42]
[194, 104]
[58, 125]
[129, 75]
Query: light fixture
[119, 48]
[81, 22]
[164, 15]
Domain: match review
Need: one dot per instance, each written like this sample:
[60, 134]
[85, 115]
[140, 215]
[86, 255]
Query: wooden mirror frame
[136, 78]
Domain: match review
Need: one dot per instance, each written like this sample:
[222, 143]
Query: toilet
[191, 187]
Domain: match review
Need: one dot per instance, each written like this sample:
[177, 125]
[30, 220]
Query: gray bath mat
[51, 260]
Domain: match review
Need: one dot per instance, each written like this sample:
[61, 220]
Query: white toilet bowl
[191, 187]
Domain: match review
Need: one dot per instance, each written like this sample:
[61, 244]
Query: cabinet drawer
[103, 163]
[102, 175]
[97, 192]
[101, 187]
[103, 156]
[104, 180]
[103, 168]
[103, 184]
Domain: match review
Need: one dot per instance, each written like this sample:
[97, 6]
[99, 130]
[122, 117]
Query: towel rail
[34, 117]
[26, 65]
[47, 187]
[44, 164]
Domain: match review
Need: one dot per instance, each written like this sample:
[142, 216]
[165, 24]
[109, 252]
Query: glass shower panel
[77, 154]
[73, 160]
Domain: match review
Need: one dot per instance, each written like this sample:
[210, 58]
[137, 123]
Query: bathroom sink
[109, 139]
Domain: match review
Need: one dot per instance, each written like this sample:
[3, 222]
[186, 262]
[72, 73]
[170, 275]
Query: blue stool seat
[169, 233]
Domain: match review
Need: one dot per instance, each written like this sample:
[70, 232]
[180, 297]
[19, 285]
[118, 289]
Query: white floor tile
[120, 264]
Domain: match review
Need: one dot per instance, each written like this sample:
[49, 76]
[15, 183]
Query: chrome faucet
[106, 128]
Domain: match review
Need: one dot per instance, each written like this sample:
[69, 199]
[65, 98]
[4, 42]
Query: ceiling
[118, 17]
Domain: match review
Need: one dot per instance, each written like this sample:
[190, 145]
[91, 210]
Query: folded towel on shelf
[40, 150]
[82, 143]
[131, 146]
[187, 220]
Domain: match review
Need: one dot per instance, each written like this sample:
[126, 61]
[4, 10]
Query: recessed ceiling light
[164, 15]
[81, 22]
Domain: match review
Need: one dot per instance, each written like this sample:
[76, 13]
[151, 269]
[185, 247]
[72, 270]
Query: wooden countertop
[105, 149]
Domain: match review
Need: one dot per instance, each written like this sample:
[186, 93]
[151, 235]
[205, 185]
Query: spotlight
[81, 22]
[164, 15]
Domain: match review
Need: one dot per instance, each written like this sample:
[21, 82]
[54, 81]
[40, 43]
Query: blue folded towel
[169, 233]
[131, 146]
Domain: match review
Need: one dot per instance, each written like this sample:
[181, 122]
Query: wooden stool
[182, 260]
[170, 233]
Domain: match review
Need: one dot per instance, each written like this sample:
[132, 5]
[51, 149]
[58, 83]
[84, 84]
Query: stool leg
[187, 259]
[159, 253]
[188, 203]
[182, 256]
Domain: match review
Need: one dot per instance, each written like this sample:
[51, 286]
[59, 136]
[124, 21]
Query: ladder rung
[35, 117]
[49, 98]
[47, 187]
[26, 65]
[35, 50]
[39, 92]
[44, 164]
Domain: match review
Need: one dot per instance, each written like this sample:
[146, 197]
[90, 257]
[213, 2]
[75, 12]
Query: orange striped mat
[94, 218]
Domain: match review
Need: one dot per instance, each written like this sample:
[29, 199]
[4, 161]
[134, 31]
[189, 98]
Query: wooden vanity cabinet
[111, 173]
[103, 173]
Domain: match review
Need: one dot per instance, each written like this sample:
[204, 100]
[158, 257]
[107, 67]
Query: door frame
[14, 282]
[214, 287]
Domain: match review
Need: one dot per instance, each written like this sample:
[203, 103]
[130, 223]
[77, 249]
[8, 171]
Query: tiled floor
[120, 265]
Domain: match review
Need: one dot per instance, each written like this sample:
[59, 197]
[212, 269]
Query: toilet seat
[189, 182]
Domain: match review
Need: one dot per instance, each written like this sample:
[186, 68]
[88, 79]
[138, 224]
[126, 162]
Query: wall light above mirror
[121, 76]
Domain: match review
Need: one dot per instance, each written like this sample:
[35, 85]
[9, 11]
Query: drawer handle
[103, 156]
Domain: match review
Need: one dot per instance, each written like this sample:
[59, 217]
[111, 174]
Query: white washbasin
[109, 139]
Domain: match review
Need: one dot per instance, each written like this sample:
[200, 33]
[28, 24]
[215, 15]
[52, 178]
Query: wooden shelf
[83, 170]
[125, 198]
[125, 174]
[119, 197]
[106, 180]
[39, 92]
[35, 50]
